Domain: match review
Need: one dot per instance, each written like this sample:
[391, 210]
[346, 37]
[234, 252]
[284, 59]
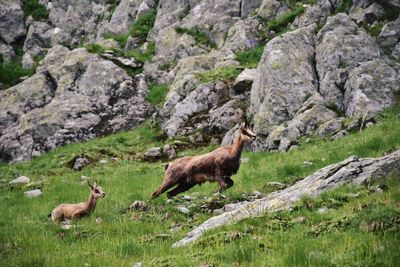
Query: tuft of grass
[157, 94]
[11, 73]
[139, 29]
[225, 74]
[95, 48]
[344, 6]
[199, 36]
[281, 23]
[142, 26]
[35, 9]
[374, 30]
[250, 58]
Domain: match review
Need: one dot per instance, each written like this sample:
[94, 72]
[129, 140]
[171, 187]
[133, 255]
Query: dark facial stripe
[245, 132]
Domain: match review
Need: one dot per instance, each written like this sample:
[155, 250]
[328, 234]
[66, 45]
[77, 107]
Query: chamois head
[246, 132]
[97, 192]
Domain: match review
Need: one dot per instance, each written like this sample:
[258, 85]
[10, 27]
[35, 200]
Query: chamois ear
[91, 186]
[242, 126]
[95, 184]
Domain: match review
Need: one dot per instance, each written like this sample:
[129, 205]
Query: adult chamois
[216, 166]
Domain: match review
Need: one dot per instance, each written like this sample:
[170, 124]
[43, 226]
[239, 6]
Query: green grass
[157, 94]
[35, 9]
[225, 74]
[357, 230]
[95, 48]
[11, 73]
[250, 58]
[344, 6]
[142, 26]
[139, 55]
[281, 23]
[139, 29]
[199, 36]
[374, 30]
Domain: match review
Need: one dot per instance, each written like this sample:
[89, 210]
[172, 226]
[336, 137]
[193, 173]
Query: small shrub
[250, 58]
[199, 36]
[157, 93]
[95, 48]
[281, 23]
[11, 73]
[138, 55]
[35, 9]
[142, 26]
[344, 6]
[140, 29]
[226, 74]
[374, 30]
[120, 38]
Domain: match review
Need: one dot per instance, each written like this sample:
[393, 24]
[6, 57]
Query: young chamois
[77, 211]
[216, 166]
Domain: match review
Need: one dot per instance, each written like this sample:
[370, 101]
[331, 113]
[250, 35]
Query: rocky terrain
[294, 68]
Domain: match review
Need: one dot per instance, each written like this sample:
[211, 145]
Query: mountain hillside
[112, 91]
[75, 70]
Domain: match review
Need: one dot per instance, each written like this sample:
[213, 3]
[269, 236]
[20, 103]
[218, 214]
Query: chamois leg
[220, 180]
[163, 187]
[180, 188]
[229, 182]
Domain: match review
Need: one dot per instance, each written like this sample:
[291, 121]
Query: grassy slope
[341, 236]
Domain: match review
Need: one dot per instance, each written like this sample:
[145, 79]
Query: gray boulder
[212, 19]
[27, 61]
[244, 81]
[317, 13]
[20, 180]
[372, 13]
[33, 193]
[188, 102]
[370, 88]
[242, 35]
[123, 17]
[74, 96]
[330, 127]
[341, 46]
[12, 25]
[38, 38]
[285, 79]
[390, 35]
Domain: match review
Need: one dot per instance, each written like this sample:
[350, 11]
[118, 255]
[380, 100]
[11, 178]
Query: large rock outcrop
[74, 96]
[285, 79]
[305, 80]
[351, 170]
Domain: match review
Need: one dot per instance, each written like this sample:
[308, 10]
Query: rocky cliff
[74, 70]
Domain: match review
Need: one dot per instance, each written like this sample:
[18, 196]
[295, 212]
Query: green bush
[226, 74]
[35, 9]
[95, 48]
[138, 55]
[250, 58]
[140, 29]
[142, 26]
[11, 73]
[199, 36]
[281, 23]
[343, 6]
[157, 94]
